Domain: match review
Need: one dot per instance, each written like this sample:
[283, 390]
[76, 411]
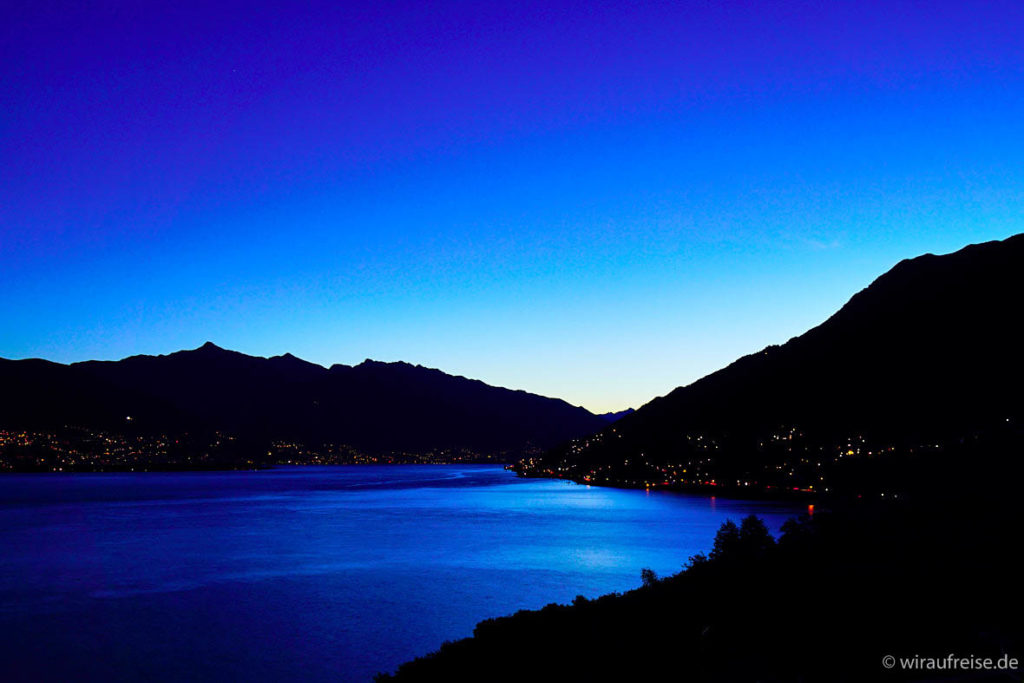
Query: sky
[598, 201]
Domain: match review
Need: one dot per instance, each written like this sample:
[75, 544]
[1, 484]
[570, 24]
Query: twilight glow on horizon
[598, 201]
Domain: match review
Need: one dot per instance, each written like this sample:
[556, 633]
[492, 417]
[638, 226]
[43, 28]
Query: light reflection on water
[329, 573]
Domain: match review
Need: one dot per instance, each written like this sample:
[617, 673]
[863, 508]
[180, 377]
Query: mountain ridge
[374, 406]
[925, 354]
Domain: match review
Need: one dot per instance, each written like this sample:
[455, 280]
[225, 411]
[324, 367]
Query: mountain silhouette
[373, 406]
[929, 351]
[616, 416]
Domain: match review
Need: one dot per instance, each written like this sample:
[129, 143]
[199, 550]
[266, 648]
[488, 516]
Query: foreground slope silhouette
[838, 592]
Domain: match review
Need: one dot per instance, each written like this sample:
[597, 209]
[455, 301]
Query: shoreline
[250, 468]
[730, 492]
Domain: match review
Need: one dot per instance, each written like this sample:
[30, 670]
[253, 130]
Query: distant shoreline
[257, 468]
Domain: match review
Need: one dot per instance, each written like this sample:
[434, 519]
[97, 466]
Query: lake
[318, 573]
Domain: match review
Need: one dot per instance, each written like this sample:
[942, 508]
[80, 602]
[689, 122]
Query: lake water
[307, 574]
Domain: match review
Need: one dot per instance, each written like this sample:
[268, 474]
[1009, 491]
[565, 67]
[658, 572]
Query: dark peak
[370, 363]
[293, 363]
[982, 250]
[39, 362]
[616, 416]
[208, 351]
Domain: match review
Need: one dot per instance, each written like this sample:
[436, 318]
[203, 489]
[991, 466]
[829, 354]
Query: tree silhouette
[754, 536]
[739, 543]
[648, 576]
[727, 541]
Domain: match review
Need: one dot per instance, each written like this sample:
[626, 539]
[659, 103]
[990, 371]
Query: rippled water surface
[330, 573]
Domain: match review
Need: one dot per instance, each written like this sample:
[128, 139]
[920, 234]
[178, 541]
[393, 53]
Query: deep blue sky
[596, 200]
